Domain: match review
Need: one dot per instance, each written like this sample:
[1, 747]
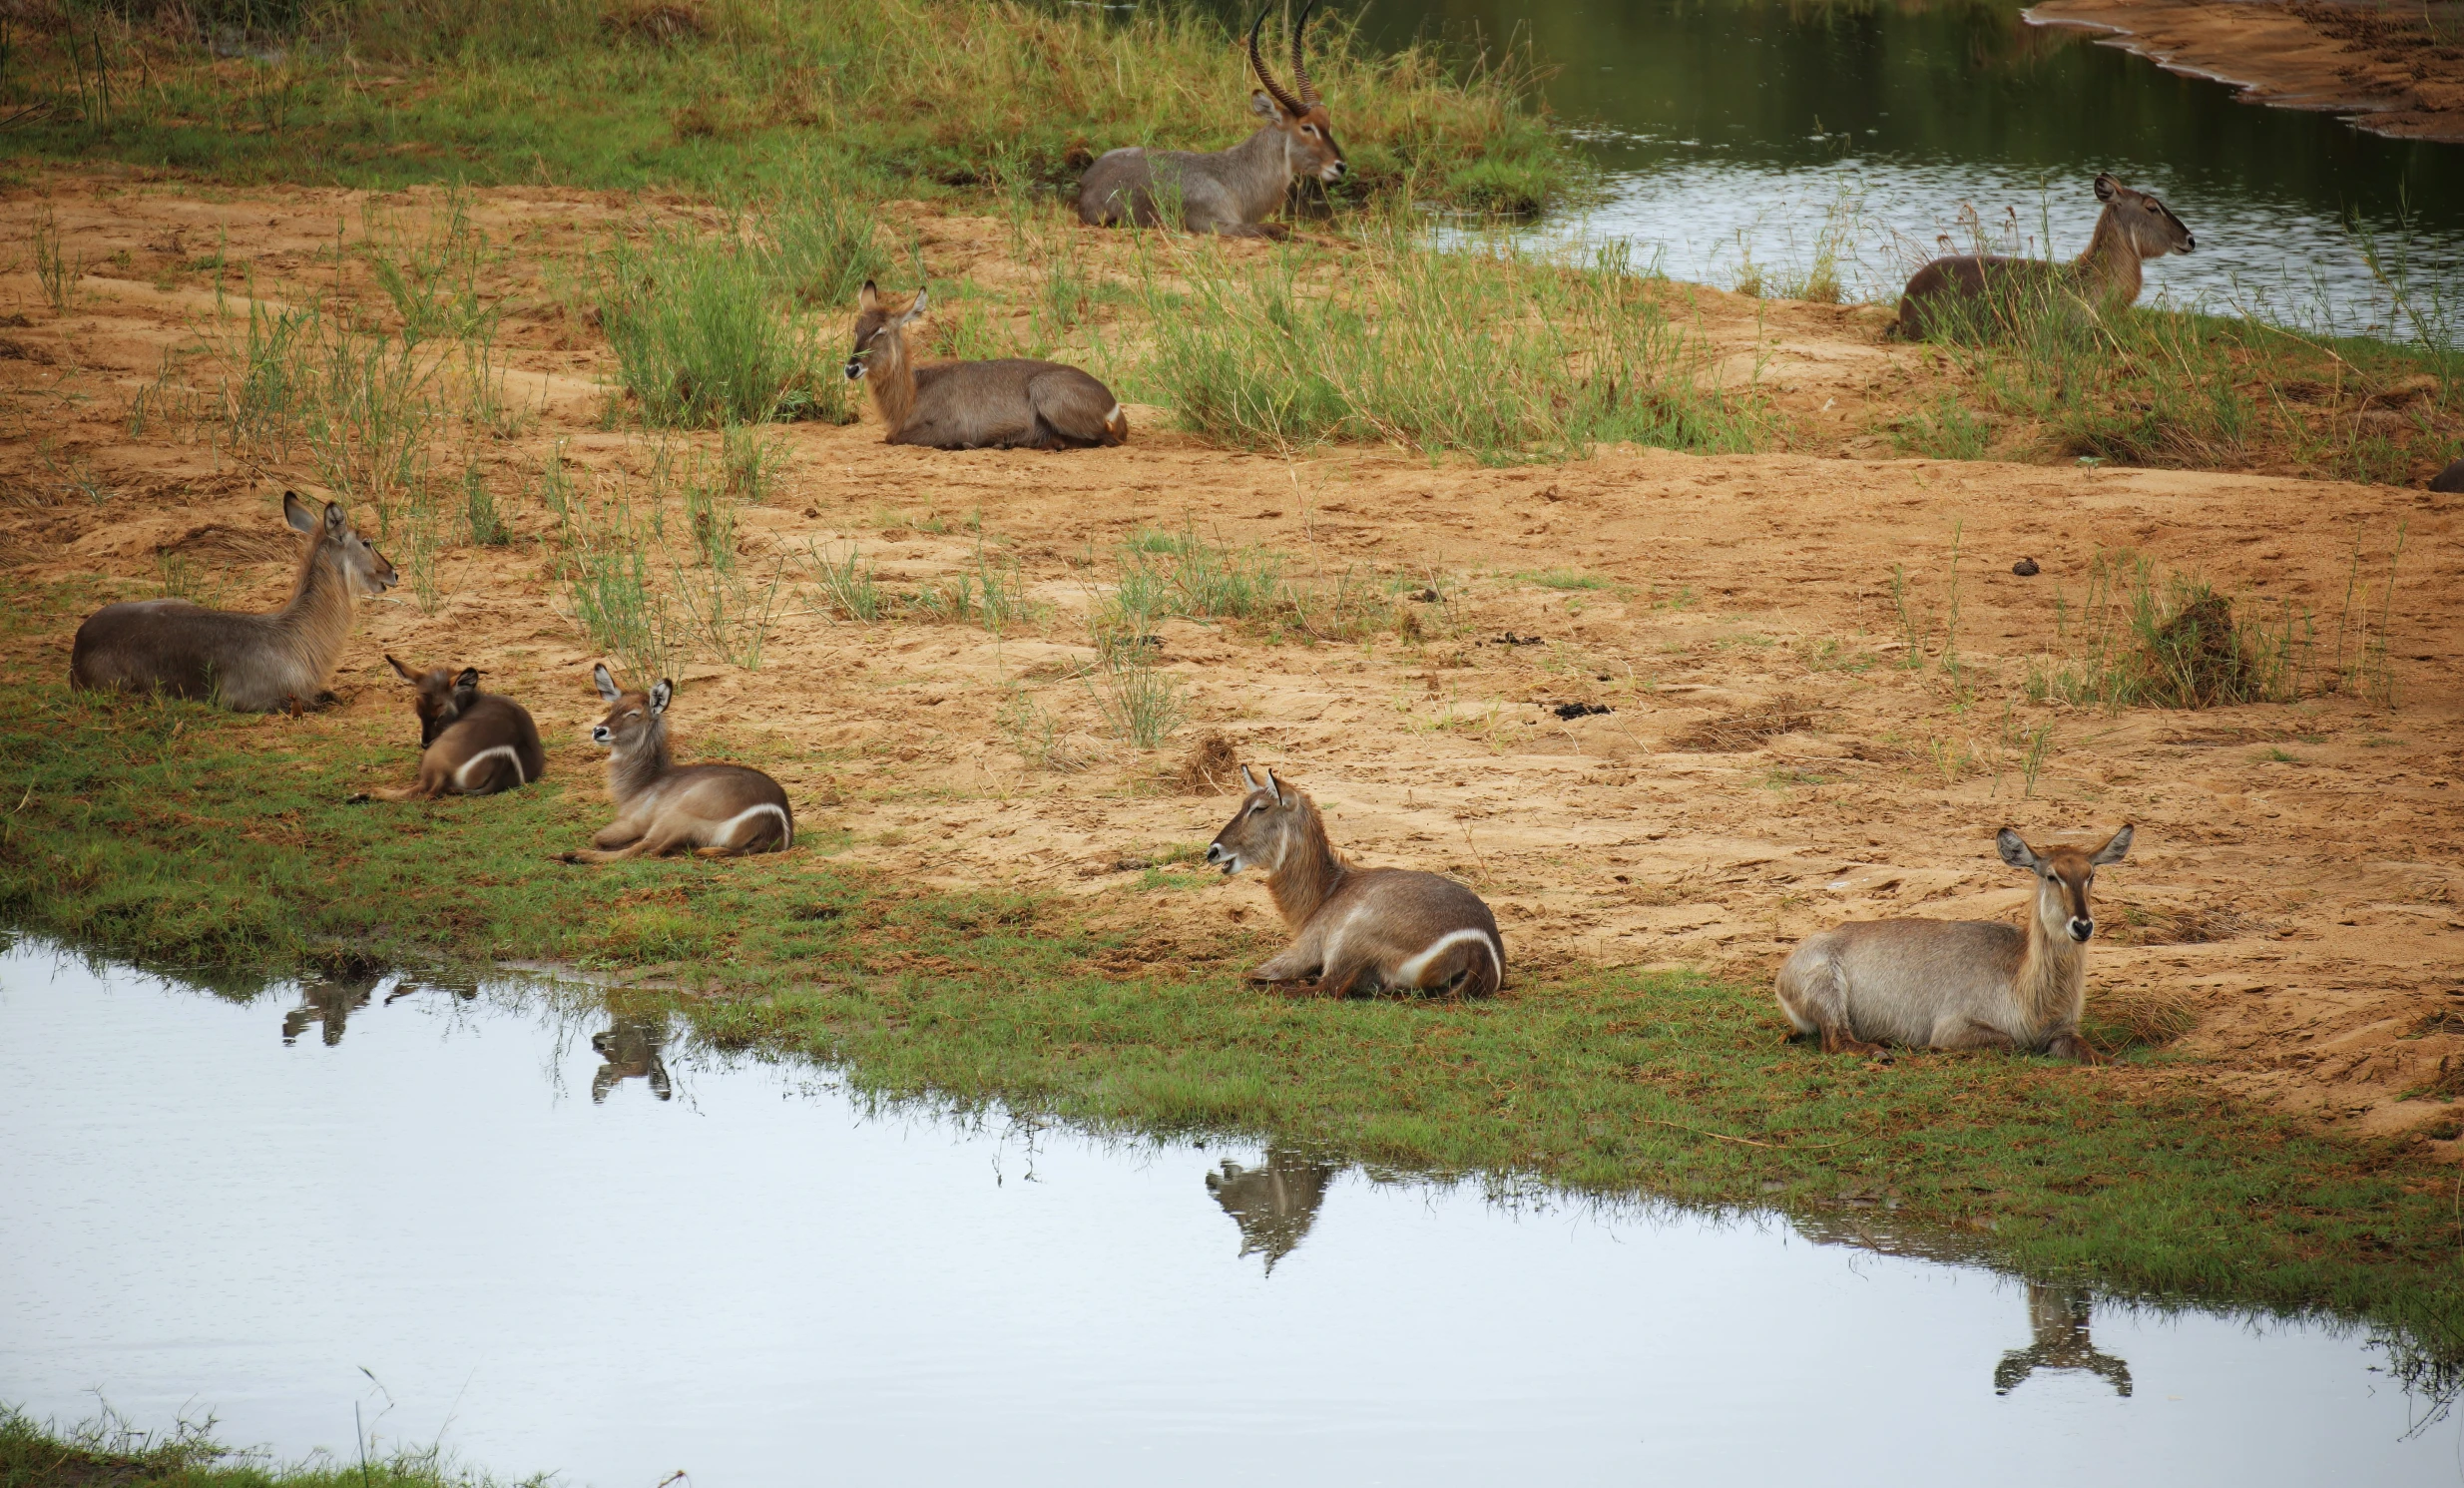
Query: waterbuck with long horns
[1989, 292]
[1223, 191]
[1958, 984]
[715, 810]
[1355, 929]
[1011, 403]
[471, 743]
[248, 662]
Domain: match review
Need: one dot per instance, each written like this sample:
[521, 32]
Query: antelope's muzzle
[2082, 927]
[1332, 171]
[600, 734]
[855, 369]
[1229, 862]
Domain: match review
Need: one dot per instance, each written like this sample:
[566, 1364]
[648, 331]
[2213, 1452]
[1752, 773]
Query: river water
[1742, 134]
[554, 1235]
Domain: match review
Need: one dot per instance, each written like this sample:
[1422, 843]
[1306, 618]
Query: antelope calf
[1223, 191]
[1958, 984]
[715, 811]
[471, 743]
[2133, 227]
[1355, 929]
[247, 663]
[1011, 403]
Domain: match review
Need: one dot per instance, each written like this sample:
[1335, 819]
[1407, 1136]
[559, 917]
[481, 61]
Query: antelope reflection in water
[2059, 1316]
[330, 1003]
[629, 1050]
[1274, 1203]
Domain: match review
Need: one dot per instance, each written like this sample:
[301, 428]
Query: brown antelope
[1958, 984]
[630, 1049]
[1011, 403]
[2133, 227]
[716, 811]
[1224, 191]
[248, 662]
[1355, 929]
[471, 743]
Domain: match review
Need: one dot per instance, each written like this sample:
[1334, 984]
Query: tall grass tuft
[1141, 703]
[1496, 354]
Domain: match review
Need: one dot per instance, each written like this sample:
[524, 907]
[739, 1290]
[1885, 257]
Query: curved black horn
[1300, 69]
[1258, 64]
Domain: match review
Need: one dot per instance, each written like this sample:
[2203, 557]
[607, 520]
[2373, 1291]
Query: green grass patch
[108, 1453]
[179, 837]
[708, 93]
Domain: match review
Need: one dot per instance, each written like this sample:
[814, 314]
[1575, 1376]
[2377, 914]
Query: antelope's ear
[301, 516]
[468, 682]
[401, 670]
[1248, 781]
[2115, 849]
[608, 690]
[1274, 788]
[337, 519]
[917, 309]
[659, 695]
[868, 298]
[2105, 186]
[1264, 106]
[2016, 851]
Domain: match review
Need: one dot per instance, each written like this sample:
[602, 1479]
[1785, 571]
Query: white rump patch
[1408, 974]
[726, 834]
[461, 777]
[1114, 415]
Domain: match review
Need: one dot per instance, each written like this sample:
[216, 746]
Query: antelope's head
[1308, 135]
[2064, 877]
[880, 332]
[2153, 229]
[332, 538]
[1273, 822]
[442, 694]
[632, 719]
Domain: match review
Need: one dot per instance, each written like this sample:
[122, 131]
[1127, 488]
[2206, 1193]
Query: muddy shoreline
[2398, 74]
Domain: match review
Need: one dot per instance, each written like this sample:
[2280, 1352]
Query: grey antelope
[1223, 191]
[1958, 984]
[251, 662]
[1982, 287]
[716, 811]
[1355, 929]
[1011, 403]
[471, 743]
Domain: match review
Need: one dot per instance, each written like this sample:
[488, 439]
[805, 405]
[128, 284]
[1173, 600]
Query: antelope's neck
[1307, 878]
[318, 613]
[636, 769]
[2111, 264]
[1263, 170]
[2053, 975]
[893, 380]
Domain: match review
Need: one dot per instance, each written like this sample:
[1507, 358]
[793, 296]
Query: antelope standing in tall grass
[248, 662]
[713, 811]
[1230, 192]
[1988, 292]
[1958, 984]
[471, 743]
[1010, 403]
[1355, 929]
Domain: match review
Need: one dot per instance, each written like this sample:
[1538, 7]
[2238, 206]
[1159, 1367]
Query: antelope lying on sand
[1958, 984]
[249, 663]
[1355, 929]
[472, 743]
[1012, 403]
[716, 811]
[2133, 227]
[1224, 191]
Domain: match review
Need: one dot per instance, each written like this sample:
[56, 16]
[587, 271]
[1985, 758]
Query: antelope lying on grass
[1958, 984]
[1992, 291]
[716, 811]
[472, 743]
[249, 663]
[1355, 929]
[1224, 191]
[1012, 403]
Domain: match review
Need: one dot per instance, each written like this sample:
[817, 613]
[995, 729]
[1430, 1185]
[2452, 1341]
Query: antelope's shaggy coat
[2133, 227]
[1012, 403]
[713, 810]
[472, 743]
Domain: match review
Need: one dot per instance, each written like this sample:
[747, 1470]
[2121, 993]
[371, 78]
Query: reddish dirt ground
[2294, 885]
